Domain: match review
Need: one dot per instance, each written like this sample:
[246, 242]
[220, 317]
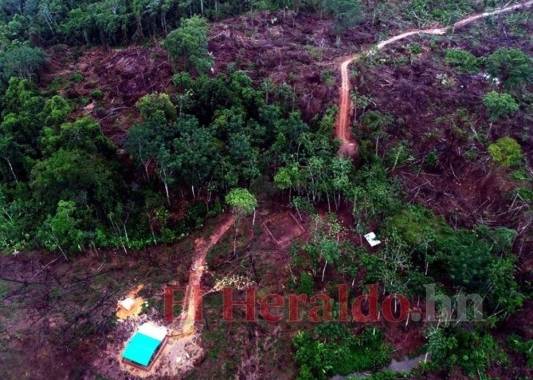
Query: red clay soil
[193, 293]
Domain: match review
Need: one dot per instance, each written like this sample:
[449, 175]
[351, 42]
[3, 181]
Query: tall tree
[187, 45]
[242, 203]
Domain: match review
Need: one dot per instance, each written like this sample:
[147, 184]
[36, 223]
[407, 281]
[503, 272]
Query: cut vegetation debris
[143, 348]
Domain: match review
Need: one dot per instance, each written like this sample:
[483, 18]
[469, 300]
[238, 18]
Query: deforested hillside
[212, 189]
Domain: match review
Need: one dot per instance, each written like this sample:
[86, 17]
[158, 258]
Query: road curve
[349, 146]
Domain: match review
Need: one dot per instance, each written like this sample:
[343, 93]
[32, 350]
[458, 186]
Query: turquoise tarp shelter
[141, 349]
[144, 345]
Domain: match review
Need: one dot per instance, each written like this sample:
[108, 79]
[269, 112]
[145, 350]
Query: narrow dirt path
[193, 293]
[349, 146]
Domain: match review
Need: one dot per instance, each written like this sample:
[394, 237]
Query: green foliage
[332, 349]
[150, 105]
[241, 201]
[14, 221]
[347, 13]
[512, 66]
[61, 231]
[506, 151]
[472, 351]
[75, 175]
[376, 120]
[19, 60]
[416, 225]
[118, 21]
[522, 346]
[233, 137]
[431, 161]
[398, 155]
[287, 177]
[76, 77]
[188, 45]
[83, 134]
[473, 261]
[463, 60]
[19, 129]
[305, 284]
[425, 12]
[56, 110]
[373, 193]
[500, 105]
[504, 291]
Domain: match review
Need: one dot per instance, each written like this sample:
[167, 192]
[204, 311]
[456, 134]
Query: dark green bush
[333, 349]
[463, 60]
[473, 351]
[500, 105]
[512, 66]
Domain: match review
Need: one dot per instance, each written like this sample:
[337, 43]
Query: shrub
[472, 351]
[499, 105]
[346, 13]
[524, 347]
[374, 194]
[376, 120]
[426, 12]
[150, 104]
[97, 94]
[506, 152]
[511, 65]
[332, 349]
[62, 231]
[77, 77]
[463, 60]
[432, 160]
[306, 284]
[416, 225]
[398, 155]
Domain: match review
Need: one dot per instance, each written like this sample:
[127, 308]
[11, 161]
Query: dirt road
[349, 146]
[193, 293]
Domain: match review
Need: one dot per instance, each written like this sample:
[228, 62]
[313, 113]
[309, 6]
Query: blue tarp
[141, 349]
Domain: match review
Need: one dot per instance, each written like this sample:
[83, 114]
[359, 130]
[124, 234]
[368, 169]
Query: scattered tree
[499, 105]
[242, 203]
[61, 231]
[187, 45]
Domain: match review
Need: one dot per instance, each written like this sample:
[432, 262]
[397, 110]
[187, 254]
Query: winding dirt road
[349, 147]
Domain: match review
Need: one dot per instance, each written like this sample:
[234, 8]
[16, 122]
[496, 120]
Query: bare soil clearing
[59, 316]
[283, 229]
[348, 145]
[294, 49]
[122, 76]
[448, 118]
